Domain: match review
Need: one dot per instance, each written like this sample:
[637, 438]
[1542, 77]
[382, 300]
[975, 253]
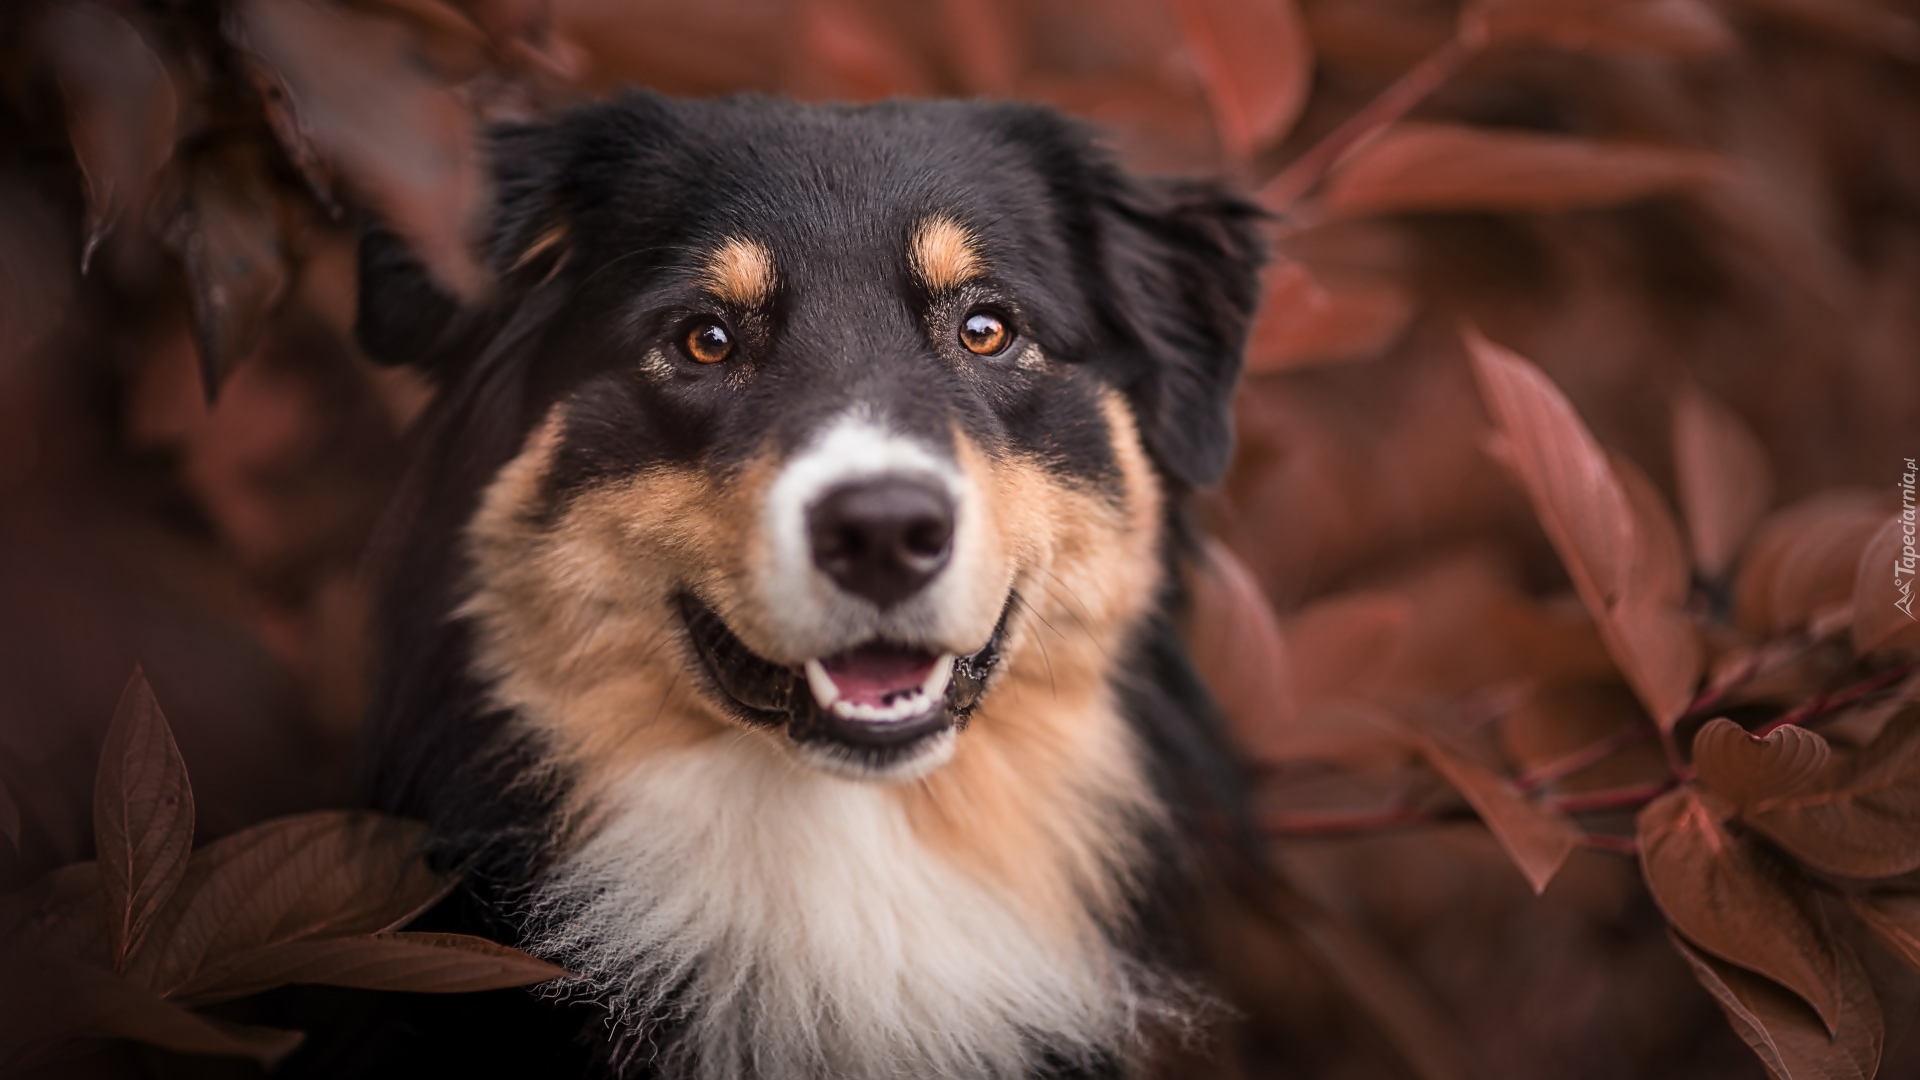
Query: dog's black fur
[1143, 286]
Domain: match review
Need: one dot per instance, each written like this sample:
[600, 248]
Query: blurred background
[1656, 201]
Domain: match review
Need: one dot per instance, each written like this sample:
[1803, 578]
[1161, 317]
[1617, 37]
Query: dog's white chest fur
[796, 926]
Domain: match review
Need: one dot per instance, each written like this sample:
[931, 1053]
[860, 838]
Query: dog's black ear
[1182, 280]
[405, 317]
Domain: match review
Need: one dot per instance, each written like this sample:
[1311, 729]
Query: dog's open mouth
[879, 683]
[870, 708]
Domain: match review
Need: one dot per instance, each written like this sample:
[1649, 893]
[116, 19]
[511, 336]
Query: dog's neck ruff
[744, 916]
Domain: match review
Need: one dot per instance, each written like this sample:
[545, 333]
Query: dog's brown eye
[983, 333]
[709, 342]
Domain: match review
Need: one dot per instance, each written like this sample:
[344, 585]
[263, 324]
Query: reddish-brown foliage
[1545, 271]
[126, 945]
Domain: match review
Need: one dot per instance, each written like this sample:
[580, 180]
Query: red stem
[1619, 845]
[1363, 127]
[1839, 699]
[1584, 758]
[1627, 797]
[1676, 761]
[1764, 661]
[1342, 823]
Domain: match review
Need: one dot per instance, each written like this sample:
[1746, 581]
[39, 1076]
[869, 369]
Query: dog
[783, 630]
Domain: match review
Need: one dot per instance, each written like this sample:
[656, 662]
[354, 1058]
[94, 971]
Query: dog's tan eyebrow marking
[740, 272]
[943, 254]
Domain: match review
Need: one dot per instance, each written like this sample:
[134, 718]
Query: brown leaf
[1742, 769]
[1608, 523]
[1883, 588]
[50, 1000]
[1256, 63]
[1444, 167]
[1725, 481]
[1355, 733]
[1305, 322]
[453, 30]
[420, 963]
[1734, 901]
[1536, 838]
[847, 50]
[504, 19]
[1567, 476]
[121, 110]
[1340, 645]
[460, 34]
[1805, 557]
[326, 874]
[1894, 919]
[1660, 574]
[227, 233]
[142, 817]
[983, 41]
[1236, 644]
[348, 97]
[1647, 633]
[1684, 28]
[1790, 1040]
[1659, 654]
[1868, 826]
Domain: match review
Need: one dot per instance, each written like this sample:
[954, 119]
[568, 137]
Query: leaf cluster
[231, 132]
[1748, 836]
[133, 943]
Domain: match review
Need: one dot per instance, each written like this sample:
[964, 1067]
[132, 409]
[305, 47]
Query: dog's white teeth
[899, 705]
[825, 693]
[936, 685]
[912, 703]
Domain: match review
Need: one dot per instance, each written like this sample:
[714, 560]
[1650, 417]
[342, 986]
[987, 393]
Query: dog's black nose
[882, 539]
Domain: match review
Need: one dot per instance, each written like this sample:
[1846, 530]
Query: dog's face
[825, 411]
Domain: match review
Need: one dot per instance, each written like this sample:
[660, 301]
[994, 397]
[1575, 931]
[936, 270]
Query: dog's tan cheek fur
[1030, 797]
[574, 618]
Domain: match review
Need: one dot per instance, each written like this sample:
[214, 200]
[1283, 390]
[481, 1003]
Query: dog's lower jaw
[837, 759]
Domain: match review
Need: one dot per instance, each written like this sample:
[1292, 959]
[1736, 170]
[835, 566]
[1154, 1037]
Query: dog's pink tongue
[872, 674]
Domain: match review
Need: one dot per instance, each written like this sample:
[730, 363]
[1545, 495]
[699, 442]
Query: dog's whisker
[1052, 689]
[1098, 642]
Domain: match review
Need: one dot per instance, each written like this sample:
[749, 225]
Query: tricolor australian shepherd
[783, 634]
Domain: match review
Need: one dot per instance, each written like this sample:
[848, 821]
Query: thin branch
[1350, 822]
[1676, 761]
[1625, 797]
[1839, 699]
[1346, 823]
[1618, 845]
[1762, 661]
[1363, 127]
[1547, 772]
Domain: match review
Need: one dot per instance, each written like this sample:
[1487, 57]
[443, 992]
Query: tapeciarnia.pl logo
[1903, 563]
